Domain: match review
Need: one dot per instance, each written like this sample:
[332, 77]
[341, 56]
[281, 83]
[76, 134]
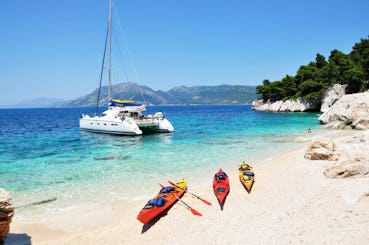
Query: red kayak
[221, 186]
[162, 202]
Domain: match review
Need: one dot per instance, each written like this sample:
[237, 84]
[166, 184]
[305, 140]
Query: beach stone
[353, 156]
[322, 149]
[347, 170]
[350, 110]
[332, 95]
[6, 214]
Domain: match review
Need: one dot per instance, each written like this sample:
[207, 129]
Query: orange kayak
[161, 202]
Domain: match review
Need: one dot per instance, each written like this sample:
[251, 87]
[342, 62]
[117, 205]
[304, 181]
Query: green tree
[320, 61]
[289, 86]
[313, 79]
[360, 56]
[354, 79]
[311, 89]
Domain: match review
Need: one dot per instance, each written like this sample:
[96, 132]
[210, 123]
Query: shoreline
[291, 202]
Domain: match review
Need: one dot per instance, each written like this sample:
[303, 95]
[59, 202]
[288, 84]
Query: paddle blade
[204, 201]
[195, 212]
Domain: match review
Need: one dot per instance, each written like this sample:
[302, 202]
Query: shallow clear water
[44, 155]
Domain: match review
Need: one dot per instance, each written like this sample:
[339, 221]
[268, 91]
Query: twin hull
[128, 126]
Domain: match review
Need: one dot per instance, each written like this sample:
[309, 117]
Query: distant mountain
[222, 94]
[38, 103]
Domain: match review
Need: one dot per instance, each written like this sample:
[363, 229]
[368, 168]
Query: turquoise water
[44, 155]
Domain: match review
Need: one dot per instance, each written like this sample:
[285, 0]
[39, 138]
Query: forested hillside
[312, 80]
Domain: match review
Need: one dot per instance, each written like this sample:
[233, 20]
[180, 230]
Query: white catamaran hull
[165, 126]
[113, 122]
[111, 126]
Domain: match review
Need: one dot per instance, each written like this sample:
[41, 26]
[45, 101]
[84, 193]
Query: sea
[46, 161]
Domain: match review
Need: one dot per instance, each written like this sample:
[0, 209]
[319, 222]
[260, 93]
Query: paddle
[208, 203]
[186, 205]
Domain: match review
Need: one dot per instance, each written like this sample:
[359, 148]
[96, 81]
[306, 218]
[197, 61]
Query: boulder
[347, 170]
[6, 214]
[322, 149]
[332, 95]
[351, 152]
[351, 110]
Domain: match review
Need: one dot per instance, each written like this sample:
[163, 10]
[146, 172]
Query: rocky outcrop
[350, 154]
[6, 214]
[332, 95]
[351, 110]
[322, 149]
[298, 105]
[345, 170]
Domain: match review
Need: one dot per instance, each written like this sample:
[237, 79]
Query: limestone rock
[351, 110]
[6, 214]
[298, 105]
[346, 170]
[350, 151]
[332, 95]
[322, 149]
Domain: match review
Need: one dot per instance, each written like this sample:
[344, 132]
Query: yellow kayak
[246, 175]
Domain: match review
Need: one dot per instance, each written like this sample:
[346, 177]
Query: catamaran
[123, 117]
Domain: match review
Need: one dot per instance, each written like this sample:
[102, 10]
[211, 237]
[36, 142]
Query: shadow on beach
[18, 239]
[152, 222]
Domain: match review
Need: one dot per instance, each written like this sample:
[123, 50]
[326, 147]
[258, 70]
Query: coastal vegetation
[313, 79]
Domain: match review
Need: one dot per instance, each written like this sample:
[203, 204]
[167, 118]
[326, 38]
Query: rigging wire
[122, 60]
[130, 60]
[102, 69]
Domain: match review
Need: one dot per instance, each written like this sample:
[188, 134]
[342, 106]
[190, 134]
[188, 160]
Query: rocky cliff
[351, 110]
[332, 95]
[340, 110]
[298, 105]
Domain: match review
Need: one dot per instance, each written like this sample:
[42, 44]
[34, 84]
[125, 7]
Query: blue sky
[53, 48]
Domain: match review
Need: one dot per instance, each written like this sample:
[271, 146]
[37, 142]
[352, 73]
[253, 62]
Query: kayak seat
[220, 178]
[159, 202]
[244, 167]
[220, 189]
[166, 190]
[245, 177]
[248, 173]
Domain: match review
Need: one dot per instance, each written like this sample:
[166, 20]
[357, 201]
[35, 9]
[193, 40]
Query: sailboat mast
[110, 41]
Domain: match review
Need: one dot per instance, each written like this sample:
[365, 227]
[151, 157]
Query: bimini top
[122, 103]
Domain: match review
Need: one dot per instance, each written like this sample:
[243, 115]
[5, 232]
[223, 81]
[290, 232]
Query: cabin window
[113, 124]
